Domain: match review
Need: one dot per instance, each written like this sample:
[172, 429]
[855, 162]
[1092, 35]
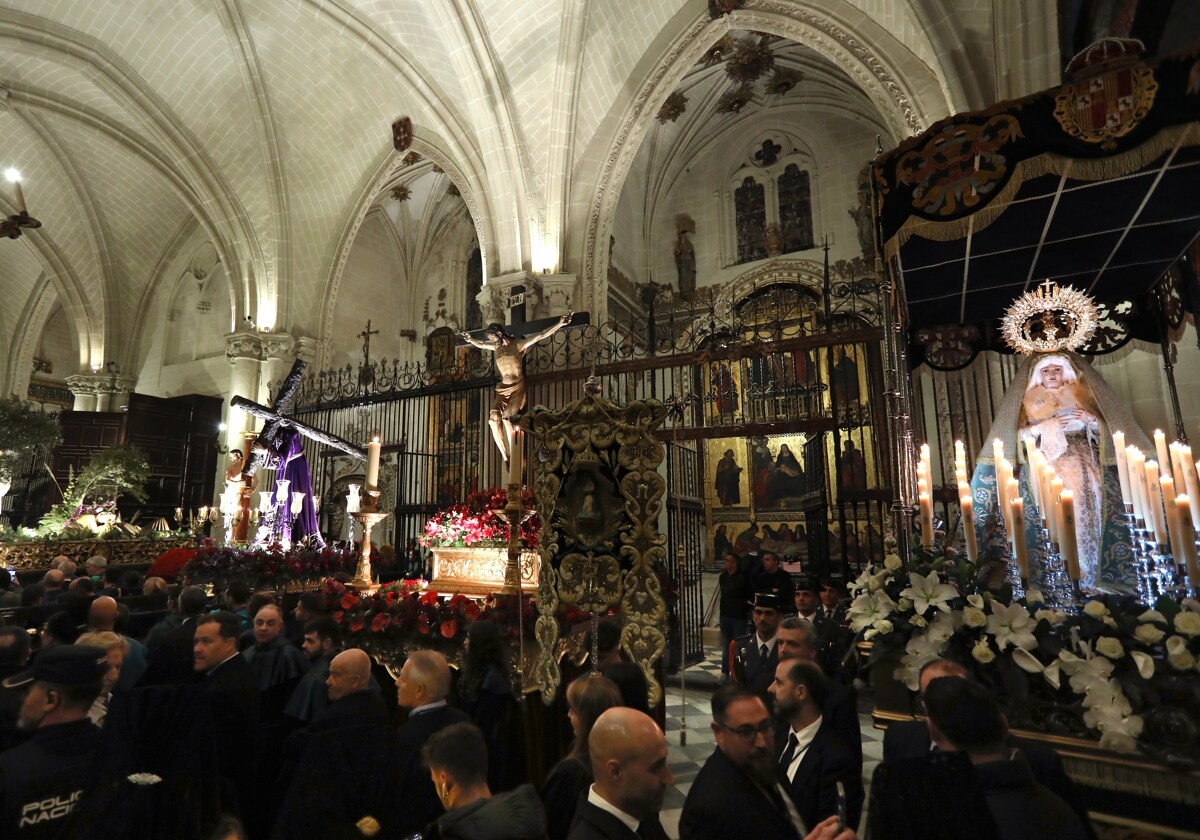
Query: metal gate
[687, 540]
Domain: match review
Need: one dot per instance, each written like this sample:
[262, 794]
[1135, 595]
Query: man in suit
[232, 690]
[628, 753]
[813, 759]
[911, 739]
[798, 639]
[965, 717]
[171, 659]
[421, 688]
[736, 793]
[754, 657]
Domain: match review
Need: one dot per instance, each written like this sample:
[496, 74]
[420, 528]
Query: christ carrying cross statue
[510, 390]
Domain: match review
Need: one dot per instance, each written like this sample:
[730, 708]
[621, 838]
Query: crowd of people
[234, 718]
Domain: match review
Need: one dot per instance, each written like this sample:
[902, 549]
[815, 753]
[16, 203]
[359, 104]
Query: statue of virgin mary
[1058, 403]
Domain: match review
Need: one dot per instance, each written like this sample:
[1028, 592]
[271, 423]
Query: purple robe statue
[287, 452]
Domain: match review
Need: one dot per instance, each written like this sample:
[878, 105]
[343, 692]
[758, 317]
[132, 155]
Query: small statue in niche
[864, 220]
[685, 257]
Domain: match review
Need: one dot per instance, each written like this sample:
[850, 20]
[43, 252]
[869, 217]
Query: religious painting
[862, 541]
[591, 506]
[455, 437]
[724, 386]
[727, 482]
[848, 377]
[777, 473]
[440, 356]
[788, 540]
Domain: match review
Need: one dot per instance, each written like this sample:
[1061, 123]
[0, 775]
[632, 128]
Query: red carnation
[379, 622]
[349, 601]
[450, 628]
[356, 625]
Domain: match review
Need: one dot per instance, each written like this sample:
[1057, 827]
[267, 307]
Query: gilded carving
[599, 493]
[479, 571]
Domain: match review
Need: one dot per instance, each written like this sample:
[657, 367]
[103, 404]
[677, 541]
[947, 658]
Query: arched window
[795, 210]
[750, 209]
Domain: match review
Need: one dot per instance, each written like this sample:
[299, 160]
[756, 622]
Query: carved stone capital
[88, 384]
[121, 384]
[243, 345]
[557, 295]
[277, 346]
[495, 299]
[306, 349]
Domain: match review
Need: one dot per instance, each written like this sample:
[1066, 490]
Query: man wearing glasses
[737, 792]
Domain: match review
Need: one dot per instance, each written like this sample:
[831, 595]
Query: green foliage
[24, 431]
[112, 472]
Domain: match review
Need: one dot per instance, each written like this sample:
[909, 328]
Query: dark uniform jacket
[41, 780]
[747, 665]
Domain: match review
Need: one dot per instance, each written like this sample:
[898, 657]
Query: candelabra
[368, 516]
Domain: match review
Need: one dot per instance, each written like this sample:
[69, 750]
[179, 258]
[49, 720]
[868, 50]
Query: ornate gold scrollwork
[600, 494]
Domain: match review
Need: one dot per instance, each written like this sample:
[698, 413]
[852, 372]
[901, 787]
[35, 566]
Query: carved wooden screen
[795, 210]
[751, 216]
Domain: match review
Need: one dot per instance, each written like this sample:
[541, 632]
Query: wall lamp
[11, 227]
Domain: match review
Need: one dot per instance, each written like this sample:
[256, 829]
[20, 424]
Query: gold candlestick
[368, 516]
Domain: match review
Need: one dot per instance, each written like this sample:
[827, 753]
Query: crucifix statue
[366, 373]
[280, 445]
[509, 351]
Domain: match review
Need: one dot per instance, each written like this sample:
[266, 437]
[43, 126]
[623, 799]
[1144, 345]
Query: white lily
[1027, 662]
[943, 626]
[866, 609]
[928, 591]
[1052, 674]
[1085, 673]
[1011, 625]
[1145, 664]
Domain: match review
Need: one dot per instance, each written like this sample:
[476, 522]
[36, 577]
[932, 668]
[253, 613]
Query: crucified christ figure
[510, 391]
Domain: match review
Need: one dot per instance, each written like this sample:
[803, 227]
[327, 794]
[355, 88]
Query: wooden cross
[578, 320]
[365, 335]
[276, 419]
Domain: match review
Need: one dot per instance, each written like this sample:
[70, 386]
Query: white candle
[1123, 468]
[926, 506]
[1021, 549]
[1016, 530]
[1190, 483]
[1056, 489]
[1137, 481]
[281, 490]
[373, 450]
[968, 520]
[1188, 538]
[1176, 464]
[1069, 547]
[1174, 525]
[1160, 450]
[998, 450]
[1155, 503]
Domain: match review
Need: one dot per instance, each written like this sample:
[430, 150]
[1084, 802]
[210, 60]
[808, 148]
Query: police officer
[755, 656]
[42, 779]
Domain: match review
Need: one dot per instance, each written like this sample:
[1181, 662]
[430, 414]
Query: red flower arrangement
[168, 564]
[405, 612]
[477, 522]
[270, 567]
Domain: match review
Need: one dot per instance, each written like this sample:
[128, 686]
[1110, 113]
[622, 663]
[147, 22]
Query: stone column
[277, 358]
[120, 387]
[90, 391]
[494, 298]
[244, 351]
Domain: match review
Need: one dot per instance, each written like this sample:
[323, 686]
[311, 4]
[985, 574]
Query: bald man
[53, 582]
[629, 762]
[103, 615]
[352, 702]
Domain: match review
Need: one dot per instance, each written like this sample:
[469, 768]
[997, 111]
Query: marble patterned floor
[688, 706]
